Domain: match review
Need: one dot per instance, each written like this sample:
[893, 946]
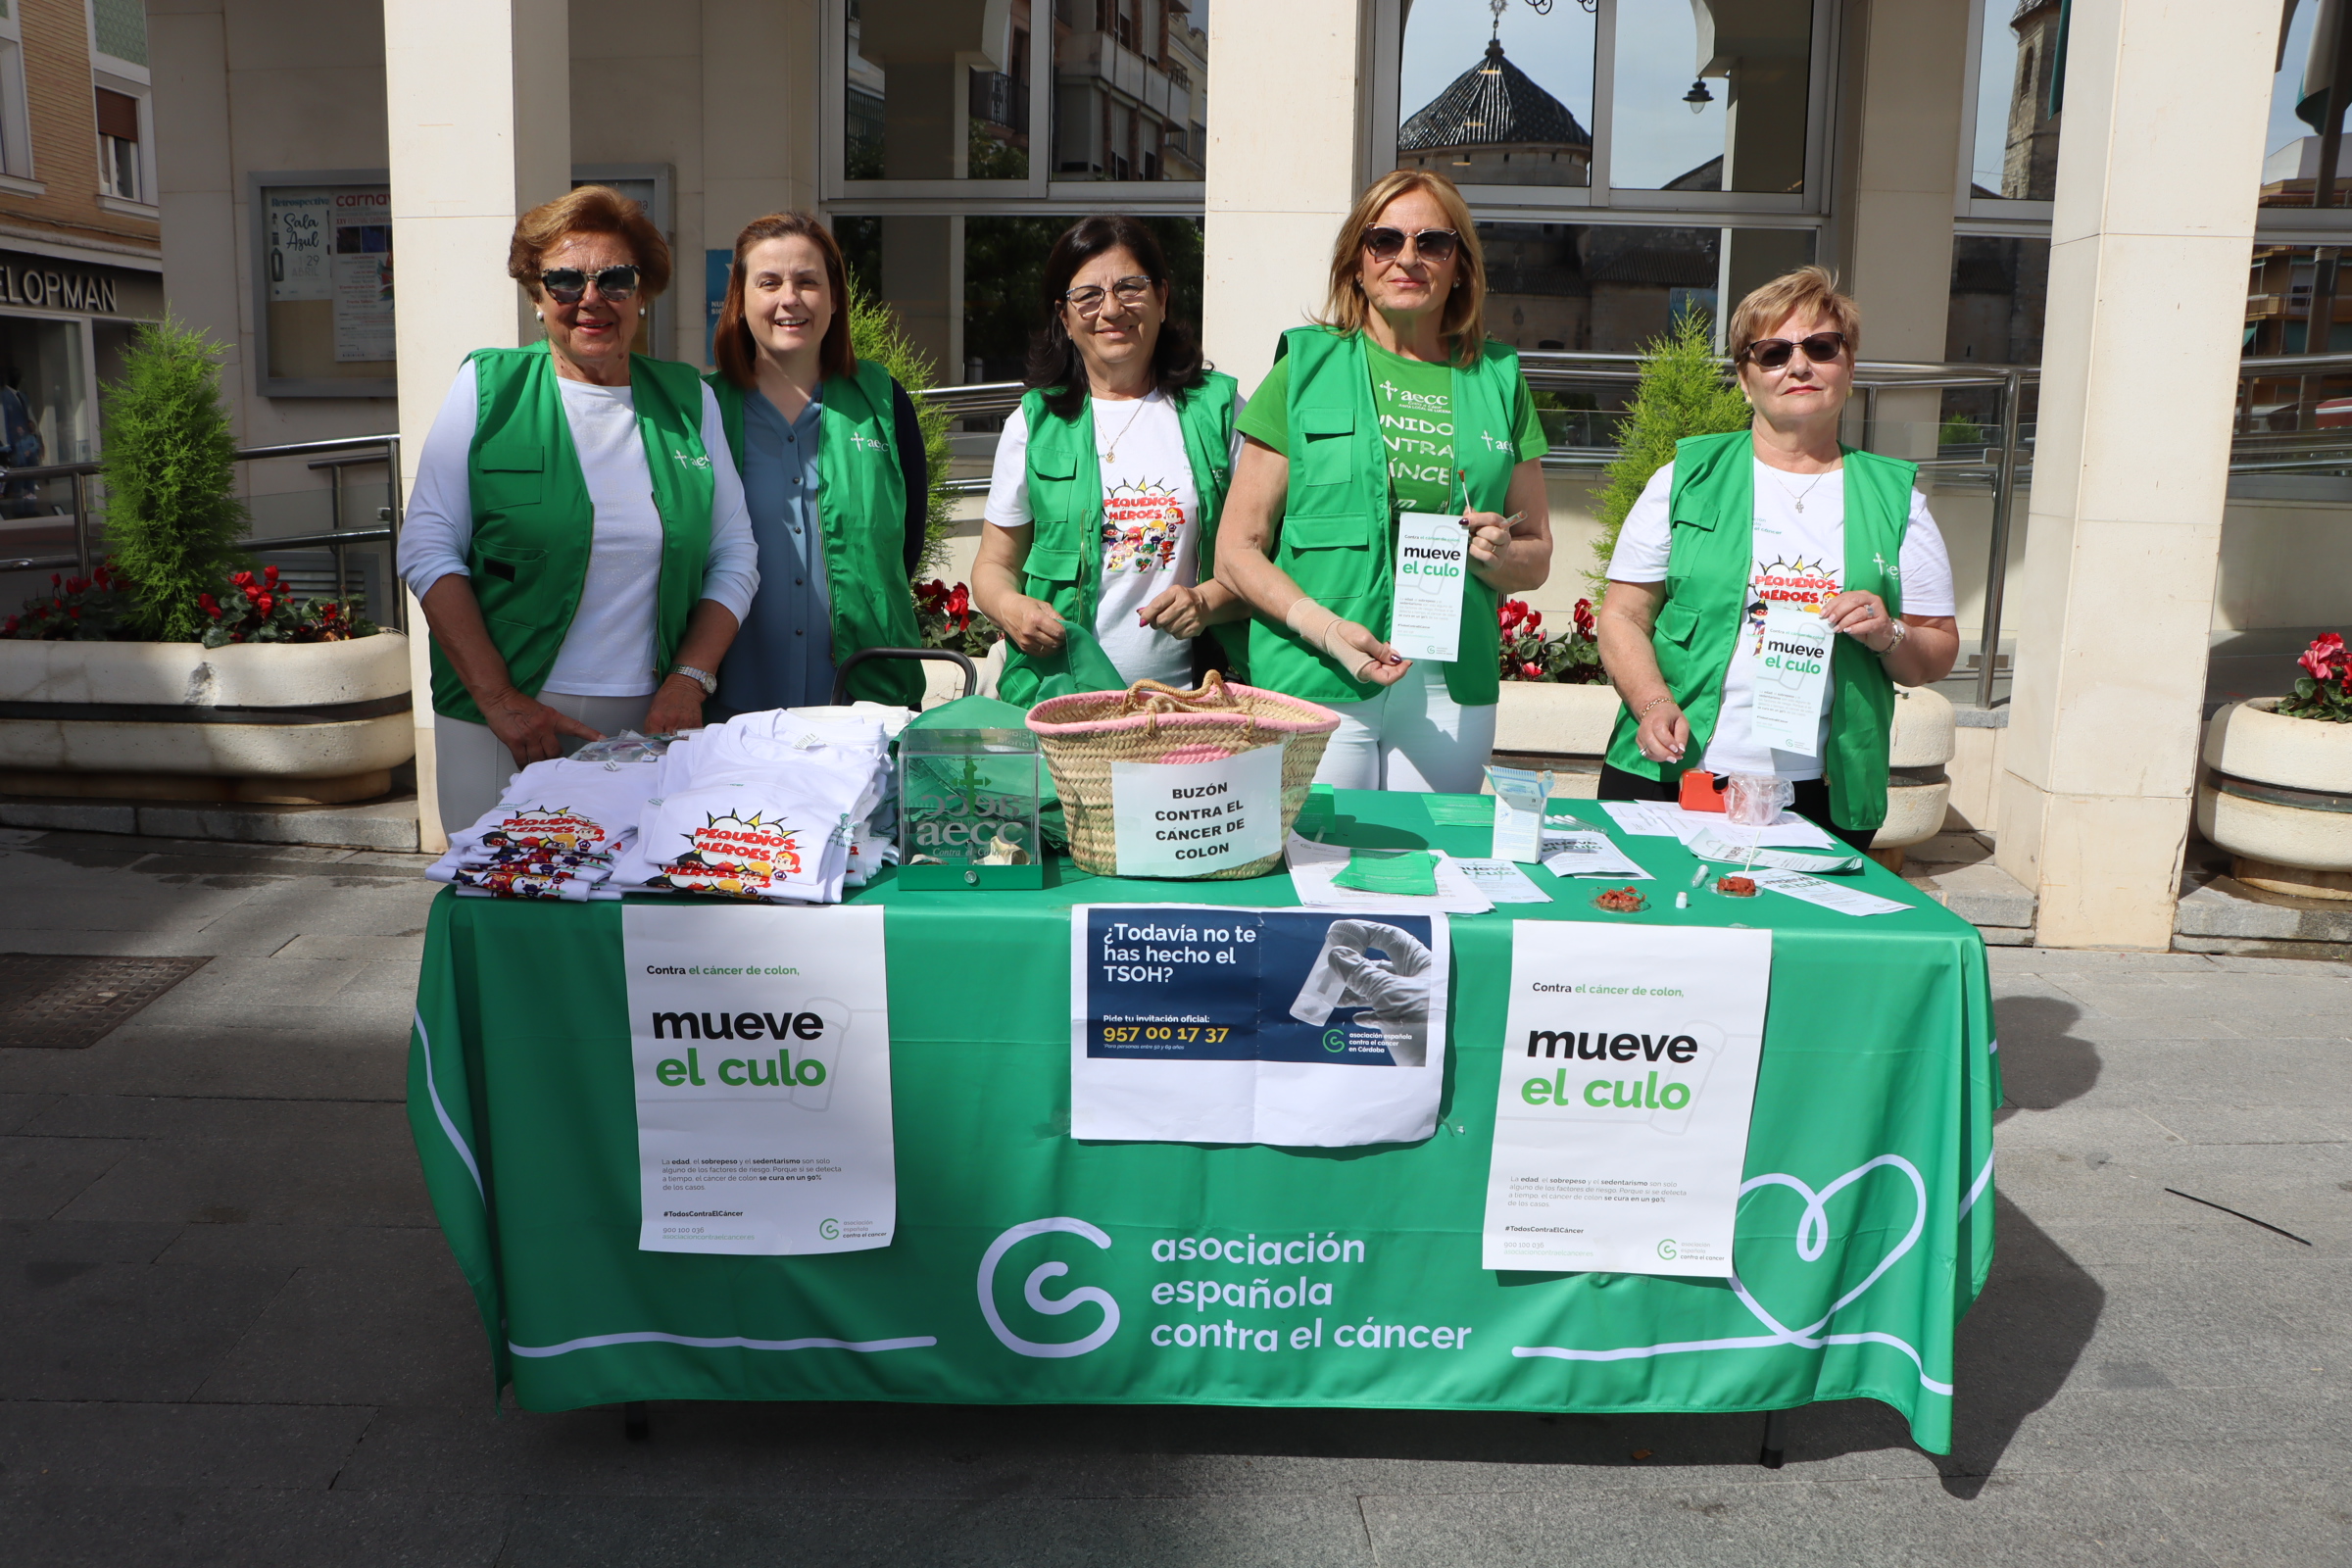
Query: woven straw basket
[1083, 734]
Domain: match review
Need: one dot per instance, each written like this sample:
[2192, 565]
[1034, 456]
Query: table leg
[1776, 1439]
[633, 1423]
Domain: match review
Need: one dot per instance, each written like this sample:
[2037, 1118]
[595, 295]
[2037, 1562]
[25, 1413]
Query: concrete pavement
[232, 1334]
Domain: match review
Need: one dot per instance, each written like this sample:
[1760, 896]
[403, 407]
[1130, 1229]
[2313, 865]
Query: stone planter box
[1561, 720]
[2276, 794]
[256, 721]
[1918, 793]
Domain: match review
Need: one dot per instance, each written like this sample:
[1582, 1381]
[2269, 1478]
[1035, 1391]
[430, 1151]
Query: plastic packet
[627, 747]
[1757, 800]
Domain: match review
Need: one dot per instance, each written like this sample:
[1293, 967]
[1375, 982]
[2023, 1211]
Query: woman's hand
[531, 731]
[1374, 661]
[1181, 612]
[1664, 734]
[1490, 536]
[1032, 625]
[677, 705]
[1861, 615]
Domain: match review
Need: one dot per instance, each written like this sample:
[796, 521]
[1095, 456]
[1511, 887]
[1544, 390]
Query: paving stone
[212, 1446]
[376, 826]
[1983, 894]
[17, 1110]
[2256, 947]
[2296, 1518]
[263, 1177]
[124, 1330]
[38, 1176]
[85, 816]
[2227, 907]
[330, 1056]
[377, 1332]
[85, 1527]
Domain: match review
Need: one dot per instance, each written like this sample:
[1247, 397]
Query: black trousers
[1812, 799]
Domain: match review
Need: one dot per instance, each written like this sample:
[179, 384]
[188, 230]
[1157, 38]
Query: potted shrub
[2278, 786]
[173, 673]
[1555, 700]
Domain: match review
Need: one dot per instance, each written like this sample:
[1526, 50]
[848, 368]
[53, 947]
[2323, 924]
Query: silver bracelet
[1901, 631]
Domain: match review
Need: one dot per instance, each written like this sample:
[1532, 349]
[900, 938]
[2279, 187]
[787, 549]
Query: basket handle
[1158, 697]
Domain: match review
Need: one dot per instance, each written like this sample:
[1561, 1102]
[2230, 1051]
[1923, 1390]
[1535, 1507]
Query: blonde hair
[1810, 290]
[588, 210]
[1463, 317]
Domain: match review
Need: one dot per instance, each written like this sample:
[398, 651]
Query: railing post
[398, 592]
[1996, 565]
[81, 525]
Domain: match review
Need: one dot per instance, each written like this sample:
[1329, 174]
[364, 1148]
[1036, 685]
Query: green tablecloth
[1876, 1093]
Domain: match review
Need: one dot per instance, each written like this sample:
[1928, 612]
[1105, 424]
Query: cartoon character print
[734, 856]
[1141, 528]
[556, 828]
[1810, 584]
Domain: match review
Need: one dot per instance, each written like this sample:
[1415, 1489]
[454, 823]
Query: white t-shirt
[609, 651]
[1151, 524]
[1799, 559]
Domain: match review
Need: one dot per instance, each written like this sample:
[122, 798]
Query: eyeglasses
[569, 286]
[1429, 245]
[1129, 291]
[1774, 352]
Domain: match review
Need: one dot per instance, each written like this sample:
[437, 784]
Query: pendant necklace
[1798, 496]
[1110, 454]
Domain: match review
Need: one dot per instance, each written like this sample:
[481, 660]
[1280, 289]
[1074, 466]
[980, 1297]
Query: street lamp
[1698, 97]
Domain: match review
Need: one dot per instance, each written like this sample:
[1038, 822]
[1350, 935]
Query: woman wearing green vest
[1395, 404]
[1109, 476]
[1780, 515]
[833, 477]
[581, 558]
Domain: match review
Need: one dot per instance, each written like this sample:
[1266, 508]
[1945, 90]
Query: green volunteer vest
[1708, 571]
[1338, 540]
[533, 522]
[861, 505]
[1065, 567]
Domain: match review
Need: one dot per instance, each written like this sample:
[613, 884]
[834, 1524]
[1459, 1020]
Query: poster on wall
[1298, 1028]
[362, 275]
[1628, 1071]
[300, 228]
[760, 1044]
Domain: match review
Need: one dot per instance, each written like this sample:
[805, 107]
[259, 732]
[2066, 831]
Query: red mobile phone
[1702, 791]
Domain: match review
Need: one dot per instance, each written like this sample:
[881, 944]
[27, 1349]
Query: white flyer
[1205, 1023]
[1183, 818]
[1792, 678]
[760, 1038]
[1502, 881]
[1589, 852]
[1628, 1070]
[300, 225]
[1432, 557]
[1829, 895]
[1639, 817]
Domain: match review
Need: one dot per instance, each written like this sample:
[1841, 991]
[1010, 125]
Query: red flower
[270, 574]
[1584, 618]
[2324, 658]
[1513, 612]
[1531, 672]
[1534, 618]
[75, 611]
[10, 626]
[209, 606]
[55, 580]
[262, 604]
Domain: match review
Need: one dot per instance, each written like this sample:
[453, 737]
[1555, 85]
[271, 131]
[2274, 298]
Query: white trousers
[471, 764]
[1412, 736]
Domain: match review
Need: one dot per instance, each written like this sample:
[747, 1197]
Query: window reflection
[1130, 89]
[1611, 288]
[1483, 110]
[1712, 96]
[2015, 151]
[937, 90]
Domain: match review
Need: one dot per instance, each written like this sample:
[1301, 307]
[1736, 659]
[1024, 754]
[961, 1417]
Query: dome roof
[1492, 104]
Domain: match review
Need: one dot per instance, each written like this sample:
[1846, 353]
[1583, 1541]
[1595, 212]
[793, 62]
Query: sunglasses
[1129, 291]
[1385, 244]
[569, 286]
[1774, 352]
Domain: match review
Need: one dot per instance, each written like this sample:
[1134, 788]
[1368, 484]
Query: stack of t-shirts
[764, 806]
[554, 834]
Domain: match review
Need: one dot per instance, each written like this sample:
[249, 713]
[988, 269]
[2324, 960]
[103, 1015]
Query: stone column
[478, 110]
[2166, 103]
[1914, 59]
[760, 124]
[1285, 164]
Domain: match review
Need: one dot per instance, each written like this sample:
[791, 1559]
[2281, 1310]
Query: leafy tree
[172, 518]
[876, 334]
[1682, 392]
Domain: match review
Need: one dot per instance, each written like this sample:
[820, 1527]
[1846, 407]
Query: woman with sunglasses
[1103, 508]
[1778, 514]
[582, 560]
[1396, 402]
[833, 475]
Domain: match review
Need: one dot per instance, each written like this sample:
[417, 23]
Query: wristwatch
[701, 677]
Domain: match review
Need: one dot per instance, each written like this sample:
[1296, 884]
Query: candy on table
[1621, 901]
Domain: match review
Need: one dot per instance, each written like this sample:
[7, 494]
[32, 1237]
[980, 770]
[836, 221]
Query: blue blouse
[783, 657]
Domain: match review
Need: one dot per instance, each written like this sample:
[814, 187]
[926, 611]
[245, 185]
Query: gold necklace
[1110, 454]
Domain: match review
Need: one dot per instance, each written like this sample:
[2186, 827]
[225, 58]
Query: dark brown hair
[588, 210]
[1054, 363]
[731, 341]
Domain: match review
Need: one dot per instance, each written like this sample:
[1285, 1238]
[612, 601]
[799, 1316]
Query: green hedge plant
[172, 518]
[1682, 392]
[876, 334]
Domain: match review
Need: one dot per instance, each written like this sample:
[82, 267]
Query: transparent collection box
[968, 808]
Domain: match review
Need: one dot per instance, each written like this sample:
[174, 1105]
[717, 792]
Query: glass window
[1130, 85]
[119, 28]
[328, 289]
[2015, 156]
[2291, 165]
[119, 145]
[1711, 96]
[935, 89]
[1611, 288]
[1485, 111]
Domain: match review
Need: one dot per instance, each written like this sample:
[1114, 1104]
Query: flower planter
[1918, 793]
[253, 722]
[1554, 719]
[2278, 794]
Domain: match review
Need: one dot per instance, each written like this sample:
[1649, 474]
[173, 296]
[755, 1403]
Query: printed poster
[1218, 1025]
[300, 231]
[761, 1039]
[1433, 557]
[1183, 818]
[1792, 678]
[1628, 1071]
[363, 276]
